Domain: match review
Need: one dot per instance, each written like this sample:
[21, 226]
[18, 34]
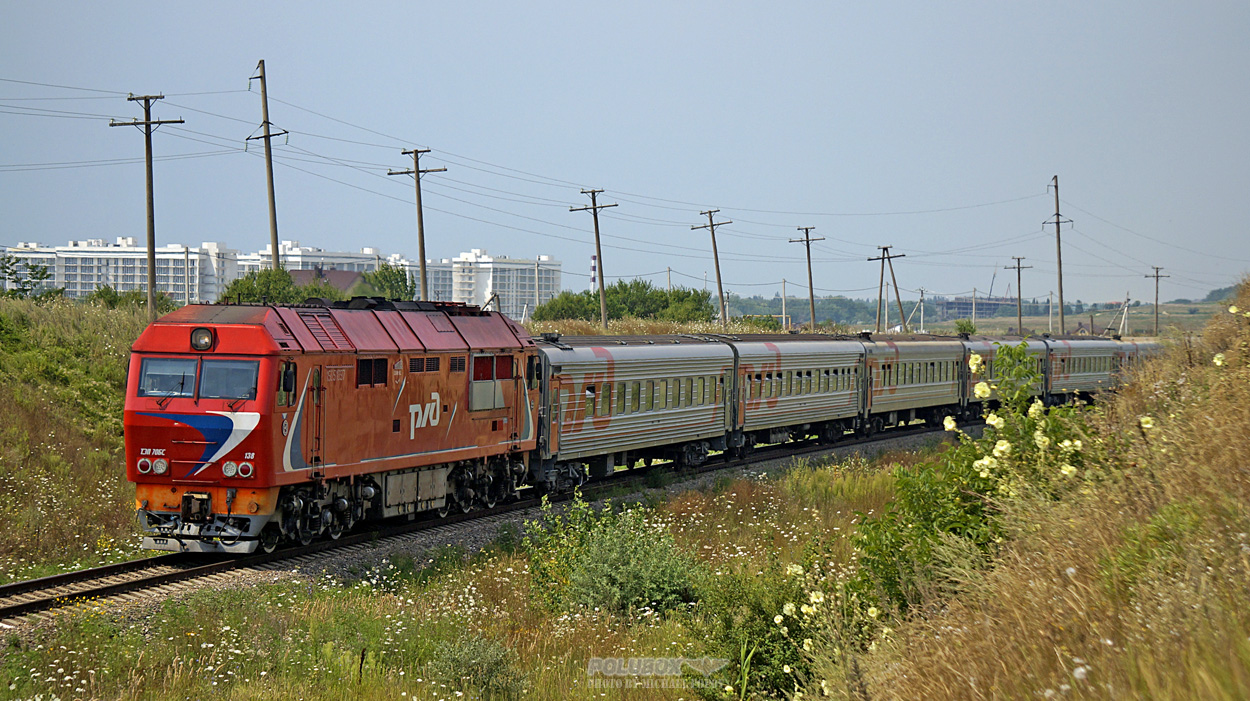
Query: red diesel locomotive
[249, 425]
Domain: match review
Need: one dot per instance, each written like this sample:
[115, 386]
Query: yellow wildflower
[1041, 439]
[975, 362]
[1218, 359]
[949, 423]
[1067, 470]
[1035, 411]
[1146, 422]
[981, 390]
[1233, 309]
[995, 420]
[1002, 449]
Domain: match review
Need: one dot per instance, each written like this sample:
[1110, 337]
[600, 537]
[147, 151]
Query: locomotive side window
[661, 397]
[620, 398]
[635, 391]
[167, 377]
[286, 384]
[229, 379]
[491, 373]
[371, 372]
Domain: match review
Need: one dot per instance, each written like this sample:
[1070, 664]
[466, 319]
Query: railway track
[120, 582]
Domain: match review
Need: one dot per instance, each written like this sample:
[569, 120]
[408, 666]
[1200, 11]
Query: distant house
[342, 280]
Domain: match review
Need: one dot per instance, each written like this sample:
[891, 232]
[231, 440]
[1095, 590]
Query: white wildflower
[1036, 410]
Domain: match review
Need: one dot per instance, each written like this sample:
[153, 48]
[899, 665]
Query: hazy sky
[932, 127]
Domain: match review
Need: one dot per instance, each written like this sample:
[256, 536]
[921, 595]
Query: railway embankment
[1094, 552]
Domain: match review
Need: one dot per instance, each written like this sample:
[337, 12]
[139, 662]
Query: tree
[276, 287]
[965, 326]
[391, 282]
[110, 298]
[630, 298]
[23, 279]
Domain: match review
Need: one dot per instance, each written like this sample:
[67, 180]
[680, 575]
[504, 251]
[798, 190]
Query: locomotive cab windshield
[207, 378]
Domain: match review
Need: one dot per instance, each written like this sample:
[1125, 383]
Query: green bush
[627, 564]
[472, 663]
[738, 611]
[613, 560]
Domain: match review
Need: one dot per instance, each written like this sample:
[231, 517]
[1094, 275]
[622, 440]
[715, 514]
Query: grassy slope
[1136, 586]
[63, 494]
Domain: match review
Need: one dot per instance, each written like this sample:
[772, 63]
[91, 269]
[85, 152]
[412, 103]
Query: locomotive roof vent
[865, 335]
[965, 336]
[551, 337]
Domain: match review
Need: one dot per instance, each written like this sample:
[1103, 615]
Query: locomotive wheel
[305, 537]
[336, 529]
[444, 509]
[269, 539]
[488, 492]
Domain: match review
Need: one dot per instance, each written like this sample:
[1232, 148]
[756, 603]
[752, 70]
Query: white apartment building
[201, 274]
[519, 284]
[293, 256]
[186, 274]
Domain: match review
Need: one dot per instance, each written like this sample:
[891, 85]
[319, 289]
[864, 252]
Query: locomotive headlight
[229, 469]
[144, 466]
[161, 466]
[245, 469]
[202, 339]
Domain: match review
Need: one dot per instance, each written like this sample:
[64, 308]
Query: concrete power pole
[1156, 276]
[416, 172]
[887, 259]
[594, 212]
[807, 241]
[268, 137]
[1059, 251]
[1019, 295]
[720, 290]
[148, 126]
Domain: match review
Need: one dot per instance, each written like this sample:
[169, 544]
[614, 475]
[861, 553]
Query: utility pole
[974, 306]
[922, 310]
[811, 290]
[594, 212]
[669, 278]
[785, 321]
[148, 126]
[416, 172]
[720, 290]
[1050, 311]
[1059, 251]
[186, 275]
[1156, 276]
[1017, 267]
[264, 124]
[887, 259]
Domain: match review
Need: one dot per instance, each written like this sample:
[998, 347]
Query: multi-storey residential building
[519, 285]
[293, 256]
[201, 274]
[186, 274]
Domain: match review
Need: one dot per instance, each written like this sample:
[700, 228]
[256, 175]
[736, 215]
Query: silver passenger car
[1081, 365]
[912, 377]
[803, 383]
[614, 399]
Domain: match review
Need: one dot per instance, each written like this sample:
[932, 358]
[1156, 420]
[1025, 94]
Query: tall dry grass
[63, 492]
[1136, 587]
